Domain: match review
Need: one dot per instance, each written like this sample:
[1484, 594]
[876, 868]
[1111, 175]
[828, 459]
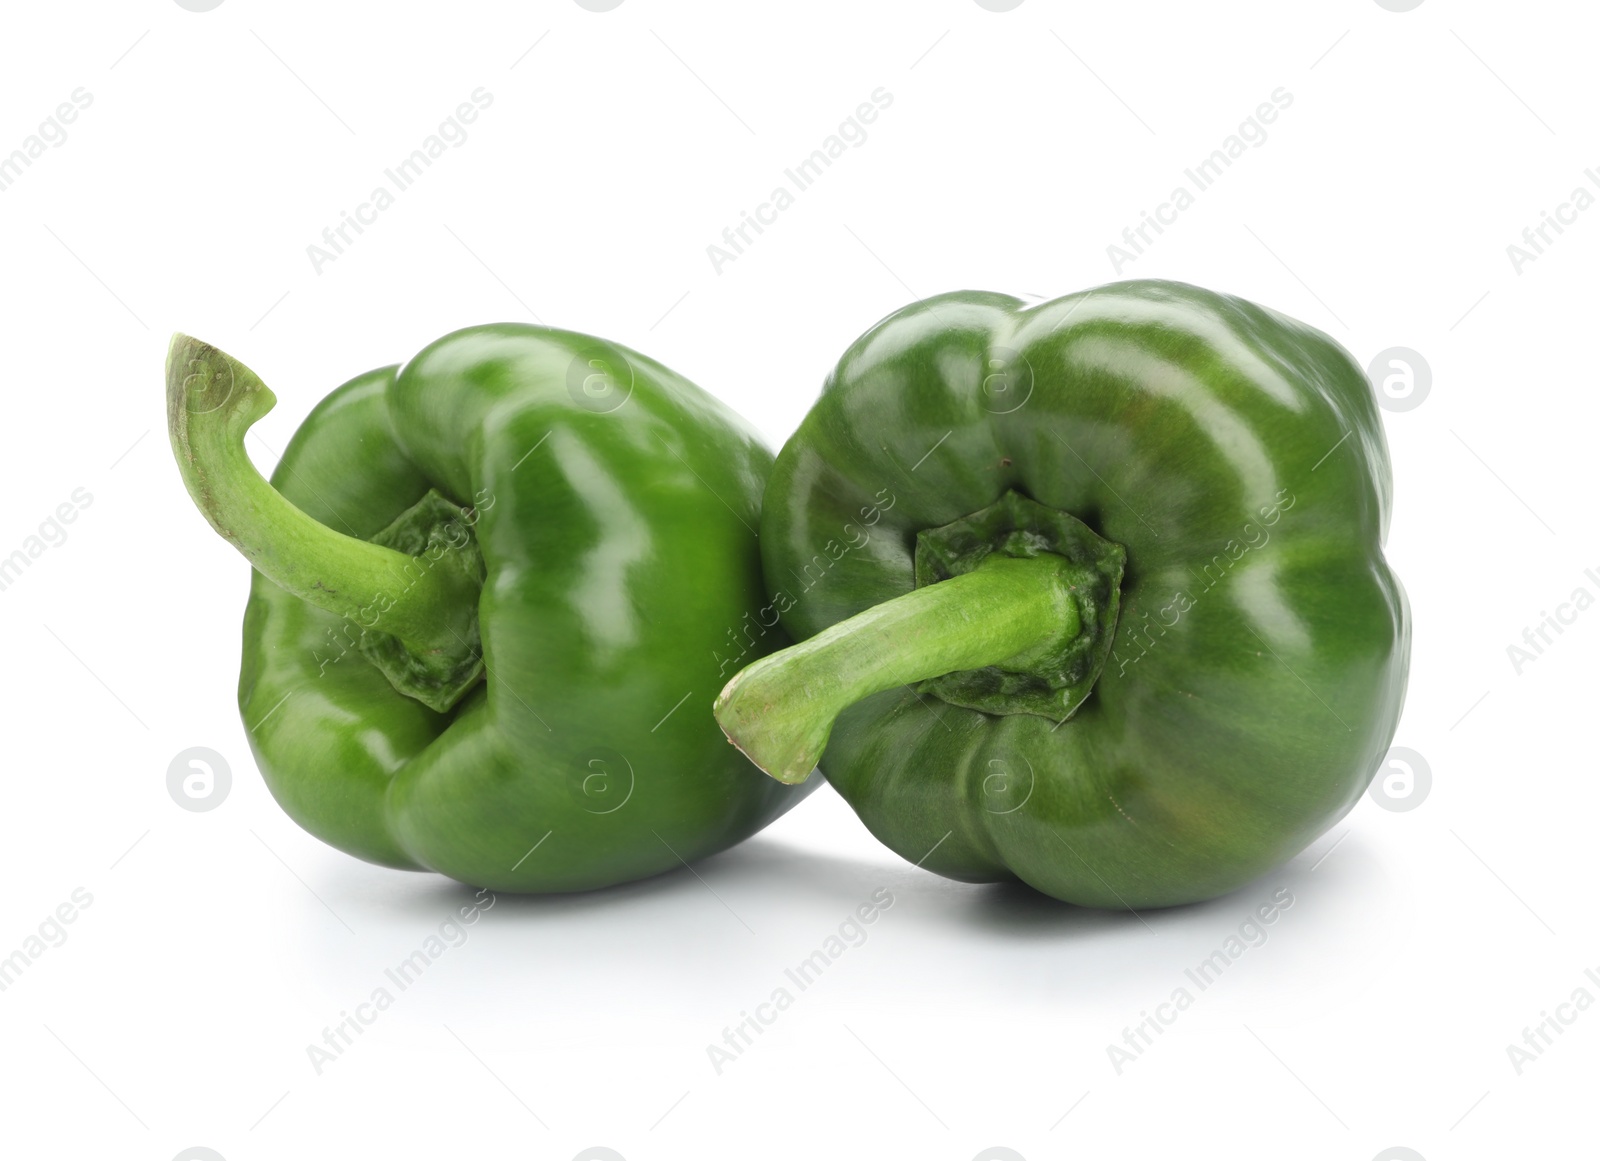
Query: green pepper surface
[489, 590]
[1091, 593]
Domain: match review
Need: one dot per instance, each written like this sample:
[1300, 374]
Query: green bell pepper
[488, 590]
[1091, 593]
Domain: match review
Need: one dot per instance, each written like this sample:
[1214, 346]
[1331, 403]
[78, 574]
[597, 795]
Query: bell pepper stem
[212, 400]
[780, 710]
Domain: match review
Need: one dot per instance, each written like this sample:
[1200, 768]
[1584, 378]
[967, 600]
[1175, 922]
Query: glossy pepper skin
[1255, 644]
[613, 505]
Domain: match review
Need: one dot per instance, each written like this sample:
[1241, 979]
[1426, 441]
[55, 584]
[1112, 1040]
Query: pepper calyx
[1055, 680]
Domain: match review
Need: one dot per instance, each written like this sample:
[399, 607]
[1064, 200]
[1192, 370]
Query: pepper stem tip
[202, 379]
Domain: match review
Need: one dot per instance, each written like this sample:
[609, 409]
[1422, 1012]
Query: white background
[1420, 944]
